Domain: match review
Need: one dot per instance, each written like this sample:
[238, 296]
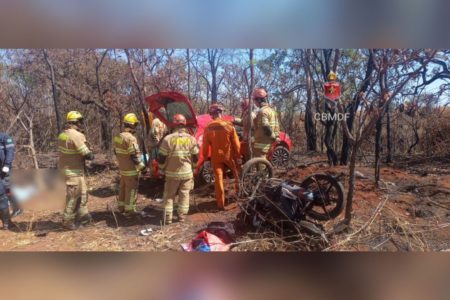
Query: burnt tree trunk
[188, 59]
[329, 137]
[351, 184]
[213, 60]
[105, 122]
[352, 107]
[416, 138]
[250, 101]
[378, 128]
[310, 129]
[54, 90]
[388, 134]
[379, 124]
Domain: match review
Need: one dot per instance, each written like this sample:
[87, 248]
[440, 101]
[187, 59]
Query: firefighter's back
[178, 147]
[71, 159]
[125, 146]
[219, 134]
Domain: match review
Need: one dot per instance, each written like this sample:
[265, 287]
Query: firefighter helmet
[215, 108]
[259, 93]
[179, 119]
[131, 119]
[74, 116]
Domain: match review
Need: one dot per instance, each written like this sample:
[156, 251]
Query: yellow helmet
[74, 116]
[332, 76]
[130, 119]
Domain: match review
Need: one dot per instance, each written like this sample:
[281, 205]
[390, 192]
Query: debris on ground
[414, 217]
[217, 237]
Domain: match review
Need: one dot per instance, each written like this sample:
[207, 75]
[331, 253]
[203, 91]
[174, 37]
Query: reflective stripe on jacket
[72, 149]
[126, 146]
[178, 147]
[266, 116]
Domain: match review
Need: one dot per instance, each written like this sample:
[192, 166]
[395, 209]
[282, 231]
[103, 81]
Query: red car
[174, 103]
[278, 155]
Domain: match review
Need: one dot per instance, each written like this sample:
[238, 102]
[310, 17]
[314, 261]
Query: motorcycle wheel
[253, 171]
[329, 200]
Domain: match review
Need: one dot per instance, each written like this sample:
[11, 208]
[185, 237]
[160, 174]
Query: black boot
[15, 206]
[85, 220]
[6, 218]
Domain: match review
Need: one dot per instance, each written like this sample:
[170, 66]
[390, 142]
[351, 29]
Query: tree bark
[353, 107]
[378, 128]
[311, 136]
[188, 59]
[54, 90]
[388, 134]
[250, 102]
[105, 123]
[351, 184]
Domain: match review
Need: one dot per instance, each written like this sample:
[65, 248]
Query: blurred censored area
[217, 277]
[201, 23]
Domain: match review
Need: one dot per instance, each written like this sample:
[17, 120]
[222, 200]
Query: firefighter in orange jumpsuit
[221, 139]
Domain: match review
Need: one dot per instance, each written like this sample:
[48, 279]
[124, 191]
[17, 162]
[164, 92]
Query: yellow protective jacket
[158, 131]
[245, 122]
[128, 154]
[178, 148]
[266, 116]
[72, 148]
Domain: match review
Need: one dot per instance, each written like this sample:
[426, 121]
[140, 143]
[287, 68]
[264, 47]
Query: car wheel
[207, 174]
[280, 157]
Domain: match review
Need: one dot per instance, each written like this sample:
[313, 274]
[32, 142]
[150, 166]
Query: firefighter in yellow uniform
[73, 152]
[129, 158]
[267, 128]
[245, 122]
[178, 154]
[158, 131]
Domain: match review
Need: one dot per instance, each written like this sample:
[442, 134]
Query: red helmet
[245, 104]
[179, 119]
[215, 108]
[259, 93]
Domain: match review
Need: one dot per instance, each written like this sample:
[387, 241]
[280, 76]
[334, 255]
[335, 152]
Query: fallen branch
[363, 227]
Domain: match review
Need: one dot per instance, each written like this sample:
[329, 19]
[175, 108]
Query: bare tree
[54, 89]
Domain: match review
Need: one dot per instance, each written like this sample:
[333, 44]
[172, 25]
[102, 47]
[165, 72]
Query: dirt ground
[409, 211]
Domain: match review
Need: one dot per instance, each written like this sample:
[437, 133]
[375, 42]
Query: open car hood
[173, 103]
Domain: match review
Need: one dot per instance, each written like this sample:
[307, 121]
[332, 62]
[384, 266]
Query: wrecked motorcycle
[319, 196]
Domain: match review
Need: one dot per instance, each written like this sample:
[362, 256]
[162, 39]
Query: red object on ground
[215, 243]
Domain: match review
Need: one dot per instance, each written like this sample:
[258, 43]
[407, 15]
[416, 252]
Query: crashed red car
[166, 104]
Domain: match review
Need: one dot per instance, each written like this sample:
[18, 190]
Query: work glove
[5, 171]
[140, 167]
[90, 156]
[145, 172]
